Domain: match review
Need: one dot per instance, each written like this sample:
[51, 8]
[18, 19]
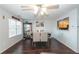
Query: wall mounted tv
[63, 24]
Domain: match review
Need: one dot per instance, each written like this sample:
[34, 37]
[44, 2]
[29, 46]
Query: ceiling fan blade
[27, 7]
[53, 7]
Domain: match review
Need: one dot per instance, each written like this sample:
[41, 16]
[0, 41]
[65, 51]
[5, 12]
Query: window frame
[16, 27]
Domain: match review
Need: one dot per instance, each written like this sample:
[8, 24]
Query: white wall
[68, 37]
[78, 30]
[47, 24]
[5, 41]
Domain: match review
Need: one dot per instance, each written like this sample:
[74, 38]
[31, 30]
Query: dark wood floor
[25, 47]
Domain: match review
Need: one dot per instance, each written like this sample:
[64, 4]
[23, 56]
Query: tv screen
[63, 24]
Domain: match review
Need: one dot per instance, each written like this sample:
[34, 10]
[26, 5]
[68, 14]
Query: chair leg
[48, 44]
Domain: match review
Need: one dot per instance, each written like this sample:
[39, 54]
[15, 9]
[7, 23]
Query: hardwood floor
[25, 47]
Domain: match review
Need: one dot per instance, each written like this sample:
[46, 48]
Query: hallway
[25, 47]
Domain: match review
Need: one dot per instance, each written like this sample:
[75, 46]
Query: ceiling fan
[39, 9]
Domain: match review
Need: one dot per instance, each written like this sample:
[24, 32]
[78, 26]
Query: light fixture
[41, 13]
[35, 9]
[39, 9]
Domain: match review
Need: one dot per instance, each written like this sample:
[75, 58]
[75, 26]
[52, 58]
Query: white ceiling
[17, 10]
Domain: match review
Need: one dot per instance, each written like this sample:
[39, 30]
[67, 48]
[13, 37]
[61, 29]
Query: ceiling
[17, 10]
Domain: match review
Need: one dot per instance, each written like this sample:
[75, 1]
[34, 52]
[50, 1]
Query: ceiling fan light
[35, 9]
[41, 13]
[44, 9]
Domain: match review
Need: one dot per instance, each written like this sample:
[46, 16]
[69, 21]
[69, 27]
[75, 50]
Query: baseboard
[12, 47]
[66, 46]
[63, 44]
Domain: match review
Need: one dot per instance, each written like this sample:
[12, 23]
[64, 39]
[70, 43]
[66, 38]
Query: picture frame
[63, 24]
[39, 24]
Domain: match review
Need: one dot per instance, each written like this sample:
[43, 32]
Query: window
[19, 27]
[15, 27]
[12, 27]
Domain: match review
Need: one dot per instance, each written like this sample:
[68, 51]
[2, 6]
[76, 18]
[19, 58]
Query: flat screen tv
[63, 24]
